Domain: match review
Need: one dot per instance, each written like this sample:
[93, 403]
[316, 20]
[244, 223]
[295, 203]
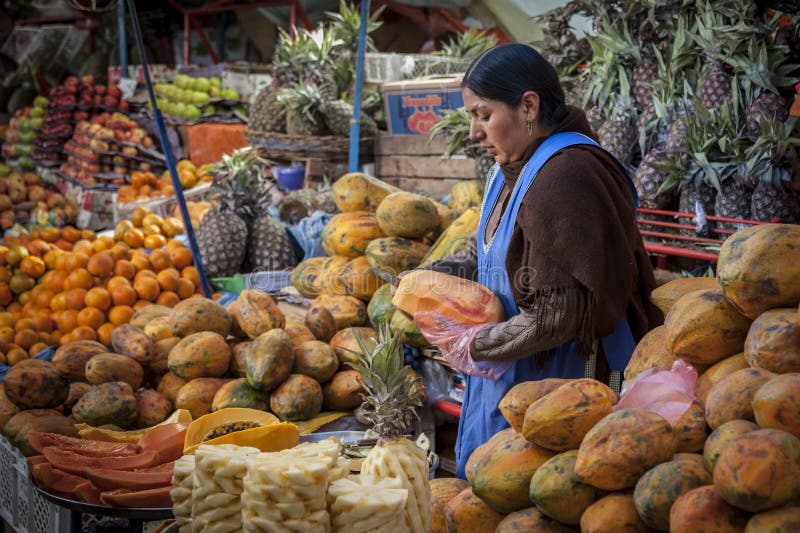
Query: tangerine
[104, 332]
[56, 279]
[168, 298]
[101, 264]
[24, 323]
[33, 266]
[180, 257]
[168, 279]
[117, 281]
[51, 256]
[147, 288]
[83, 246]
[7, 320]
[185, 288]
[63, 245]
[160, 259]
[36, 348]
[26, 338]
[75, 298]
[59, 302]
[65, 338]
[15, 355]
[43, 323]
[120, 314]
[191, 274]
[124, 268]
[141, 262]
[70, 234]
[24, 298]
[123, 295]
[140, 304]
[50, 234]
[75, 260]
[134, 237]
[79, 279]
[5, 274]
[66, 320]
[102, 243]
[44, 297]
[84, 333]
[120, 251]
[153, 242]
[91, 317]
[6, 296]
[7, 335]
[88, 235]
[138, 214]
[38, 247]
[98, 297]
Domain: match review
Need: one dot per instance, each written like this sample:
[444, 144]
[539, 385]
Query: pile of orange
[146, 229]
[62, 285]
[145, 185]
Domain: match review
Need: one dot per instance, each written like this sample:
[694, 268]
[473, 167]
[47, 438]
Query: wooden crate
[413, 163]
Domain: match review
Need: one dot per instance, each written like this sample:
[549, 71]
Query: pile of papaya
[114, 474]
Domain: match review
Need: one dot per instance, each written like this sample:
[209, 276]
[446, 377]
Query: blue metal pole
[167, 147]
[123, 40]
[355, 124]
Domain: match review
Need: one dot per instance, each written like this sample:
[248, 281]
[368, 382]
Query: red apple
[100, 89]
[98, 100]
[110, 101]
[71, 80]
[87, 79]
[113, 90]
[119, 135]
[123, 105]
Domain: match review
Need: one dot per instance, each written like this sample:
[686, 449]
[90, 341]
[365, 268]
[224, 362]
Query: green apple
[200, 98]
[215, 82]
[37, 123]
[201, 84]
[192, 112]
[183, 81]
[230, 94]
[214, 92]
[180, 109]
[5, 170]
[24, 124]
[40, 102]
[37, 112]
[210, 109]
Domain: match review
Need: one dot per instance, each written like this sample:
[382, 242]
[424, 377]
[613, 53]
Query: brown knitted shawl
[576, 233]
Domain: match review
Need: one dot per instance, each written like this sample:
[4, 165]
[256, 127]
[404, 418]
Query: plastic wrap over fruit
[454, 338]
[668, 393]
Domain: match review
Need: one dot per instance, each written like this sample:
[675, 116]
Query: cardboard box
[414, 106]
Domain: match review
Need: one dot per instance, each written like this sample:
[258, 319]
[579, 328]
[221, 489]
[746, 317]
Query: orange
[117, 281]
[26, 338]
[124, 268]
[15, 355]
[101, 264]
[91, 317]
[168, 279]
[88, 235]
[36, 348]
[141, 303]
[50, 234]
[63, 245]
[70, 234]
[24, 297]
[145, 274]
[5, 274]
[102, 243]
[134, 237]
[7, 335]
[84, 333]
[187, 178]
[152, 242]
[191, 274]
[168, 298]
[38, 247]
[98, 297]
[56, 280]
[74, 261]
[79, 278]
[160, 259]
[172, 226]
[33, 266]
[120, 314]
[121, 227]
[50, 258]
[65, 338]
[141, 262]
[151, 219]
[120, 251]
[44, 297]
[123, 295]
[75, 298]
[147, 288]
[180, 257]
[43, 323]
[152, 229]
[24, 323]
[104, 332]
[66, 321]
[29, 309]
[6, 319]
[14, 307]
[6, 296]
[59, 302]
[83, 246]
[138, 215]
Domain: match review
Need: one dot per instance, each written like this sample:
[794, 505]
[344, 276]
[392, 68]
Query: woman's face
[500, 130]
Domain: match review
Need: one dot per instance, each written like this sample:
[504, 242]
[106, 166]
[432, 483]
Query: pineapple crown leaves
[468, 44]
[240, 183]
[347, 22]
[392, 388]
[303, 99]
[776, 148]
[455, 125]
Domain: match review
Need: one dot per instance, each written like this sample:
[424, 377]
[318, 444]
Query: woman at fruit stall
[557, 242]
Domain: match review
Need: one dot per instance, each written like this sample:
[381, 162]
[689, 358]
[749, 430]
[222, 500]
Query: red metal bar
[292, 19]
[447, 407]
[661, 235]
[203, 39]
[659, 223]
[655, 248]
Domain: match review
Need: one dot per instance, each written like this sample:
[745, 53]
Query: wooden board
[418, 157]
[388, 144]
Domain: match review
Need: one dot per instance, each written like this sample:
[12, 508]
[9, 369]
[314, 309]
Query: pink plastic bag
[668, 393]
[454, 338]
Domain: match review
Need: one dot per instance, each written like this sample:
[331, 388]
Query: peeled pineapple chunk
[217, 487]
[181, 493]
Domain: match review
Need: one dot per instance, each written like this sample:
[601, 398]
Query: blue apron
[480, 417]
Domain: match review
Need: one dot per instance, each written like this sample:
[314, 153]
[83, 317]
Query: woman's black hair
[508, 71]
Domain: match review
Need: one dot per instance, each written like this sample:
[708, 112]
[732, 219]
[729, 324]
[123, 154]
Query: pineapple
[766, 106]
[649, 179]
[392, 395]
[716, 87]
[618, 136]
[222, 233]
[468, 44]
[303, 110]
[297, 205]
[733, 201]
[338, 114]
[267, 114]
[345, 26]
[270, 247]
[642, 83]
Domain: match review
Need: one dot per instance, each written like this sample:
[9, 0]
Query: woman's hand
[454, 339]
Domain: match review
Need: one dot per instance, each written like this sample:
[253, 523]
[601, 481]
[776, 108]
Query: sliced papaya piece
[143, 499]
[75, 463]
[225, 423]
[180, 416]
[56, 481]
[167, 441]
[35, 460]
[39, 441]
[272, 438]
[158, 468]
[122, 479]
[87, 492]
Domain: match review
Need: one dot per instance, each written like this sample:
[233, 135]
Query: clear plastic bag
[668, 393]
[454, 338]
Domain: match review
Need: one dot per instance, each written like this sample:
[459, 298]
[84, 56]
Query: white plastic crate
[380, 67]
[8, 483]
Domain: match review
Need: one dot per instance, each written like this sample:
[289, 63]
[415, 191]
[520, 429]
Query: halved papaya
[75, 463]
[167, 441]
[39, 441]
[144, 499]
[180, 416]
[241, 426]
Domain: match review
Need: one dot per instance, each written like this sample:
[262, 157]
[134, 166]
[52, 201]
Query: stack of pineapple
[313, 80]
[239, 234]
[689, 95]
